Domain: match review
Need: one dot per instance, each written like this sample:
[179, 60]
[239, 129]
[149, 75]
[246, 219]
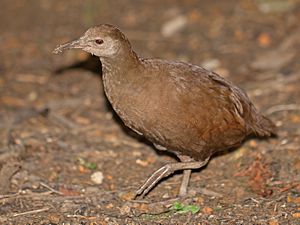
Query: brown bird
[179, 107]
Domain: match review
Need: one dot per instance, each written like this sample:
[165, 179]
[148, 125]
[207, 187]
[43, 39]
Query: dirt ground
[65, 157]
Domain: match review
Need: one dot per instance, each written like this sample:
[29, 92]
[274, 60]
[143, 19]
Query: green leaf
[191, 208]
[178, 207]
[90, 165]
[86, 164]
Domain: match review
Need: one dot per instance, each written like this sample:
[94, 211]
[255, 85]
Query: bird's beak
[72, 44]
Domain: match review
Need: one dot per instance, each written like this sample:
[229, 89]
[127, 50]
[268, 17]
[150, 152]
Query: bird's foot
[167, 170]
[154, 179]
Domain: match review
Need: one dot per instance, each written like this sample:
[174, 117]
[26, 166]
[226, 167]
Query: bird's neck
[118, 74]
[121, 63]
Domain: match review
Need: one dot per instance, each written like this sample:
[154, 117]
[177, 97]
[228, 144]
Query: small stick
[9, 195]
[63, 120]
[208, 192]
[82, 217]
[278, 108]
[31, 212]
[50, 188]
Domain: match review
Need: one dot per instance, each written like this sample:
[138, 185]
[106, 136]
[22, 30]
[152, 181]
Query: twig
[63, 120]
[50, 188]
[71, 102]
[9, 195]
[82, 217]
[31, 212]
[278, 108]
[275, 200]
[139, 201]
[205, 191]
[21, 194]
[275, 217]
[254, 200]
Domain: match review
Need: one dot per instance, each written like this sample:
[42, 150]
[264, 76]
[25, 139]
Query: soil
[65, 157]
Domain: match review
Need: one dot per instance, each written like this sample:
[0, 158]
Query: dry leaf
[296, 215]
[264, 40]
[12, 101]
[291, 199]
[207, 210]
[258, 174]
[273, 222]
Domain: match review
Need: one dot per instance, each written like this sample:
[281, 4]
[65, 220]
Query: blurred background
[58, 135]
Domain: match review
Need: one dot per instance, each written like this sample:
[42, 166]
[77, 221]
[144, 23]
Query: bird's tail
[265, 127]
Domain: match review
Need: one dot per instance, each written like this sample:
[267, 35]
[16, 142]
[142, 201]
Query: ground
[65, 157]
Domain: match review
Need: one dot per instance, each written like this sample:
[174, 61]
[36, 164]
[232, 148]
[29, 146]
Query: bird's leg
[186, 175]
[167, 170]
[184, 182]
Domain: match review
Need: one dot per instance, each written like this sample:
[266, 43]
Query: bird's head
[105, 41]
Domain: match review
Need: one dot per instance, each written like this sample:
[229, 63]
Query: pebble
[173, 26]
[97, 177]
[211, 64]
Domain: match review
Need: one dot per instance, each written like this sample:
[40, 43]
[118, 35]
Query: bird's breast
[126, 98]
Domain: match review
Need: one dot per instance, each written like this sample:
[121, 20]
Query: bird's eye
[99, 41]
